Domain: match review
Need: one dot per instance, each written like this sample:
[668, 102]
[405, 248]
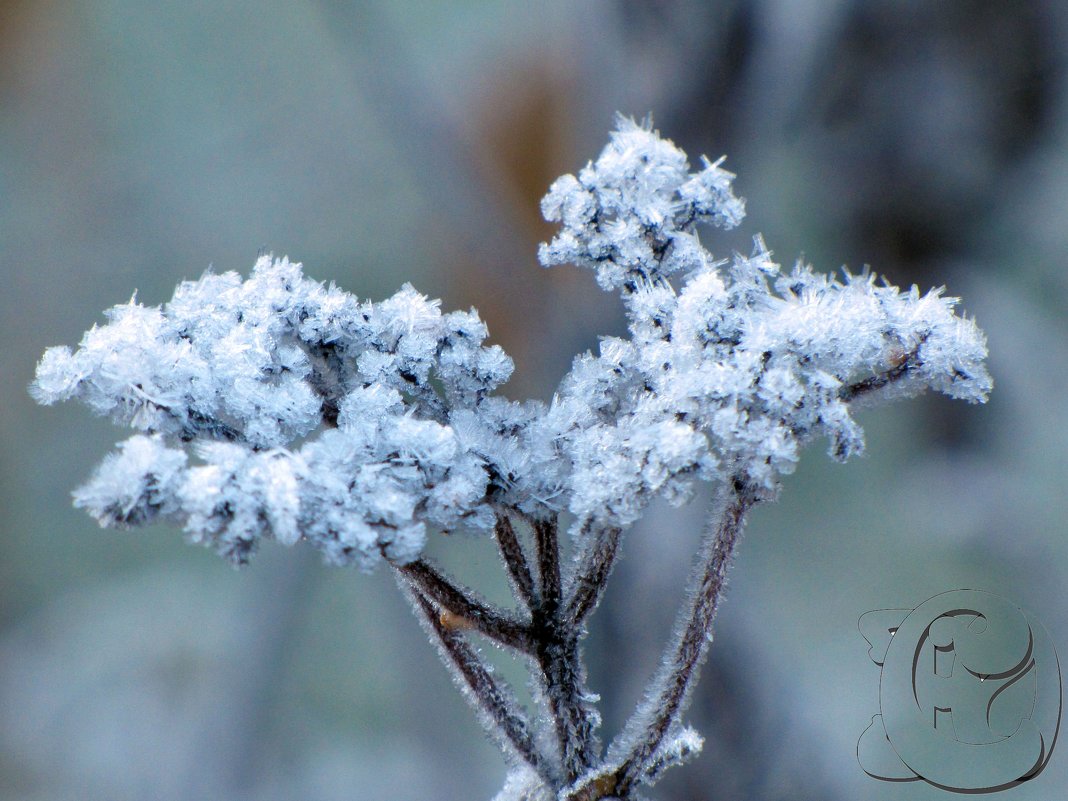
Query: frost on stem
[277, 407]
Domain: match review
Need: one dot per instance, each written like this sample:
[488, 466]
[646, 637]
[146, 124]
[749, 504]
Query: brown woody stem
[464, 605]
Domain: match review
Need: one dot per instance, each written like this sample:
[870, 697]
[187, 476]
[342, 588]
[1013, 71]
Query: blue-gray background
[378, 143]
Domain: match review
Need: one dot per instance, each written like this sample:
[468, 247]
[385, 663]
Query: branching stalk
[901, 368]
[515, 561]
[546, 541]
[564, 682]
[668, 693]
[499, 710]
[591, 575]
[463, 604]
[556, 651]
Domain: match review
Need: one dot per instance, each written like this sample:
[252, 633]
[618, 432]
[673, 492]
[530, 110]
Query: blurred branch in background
[484, 151]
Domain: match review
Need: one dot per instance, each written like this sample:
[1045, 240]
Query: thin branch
[591, 577]
[669, 691]
[902, 367]
[557, 652]
[548, 546]
[515, 561]
[565, 691]
[501, 713]
[462, 603]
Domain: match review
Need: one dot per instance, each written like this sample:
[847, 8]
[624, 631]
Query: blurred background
[384, 142]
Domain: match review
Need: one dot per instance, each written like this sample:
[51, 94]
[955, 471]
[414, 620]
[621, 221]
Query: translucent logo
[969, 694]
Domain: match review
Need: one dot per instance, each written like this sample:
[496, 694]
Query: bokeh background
[383, 142]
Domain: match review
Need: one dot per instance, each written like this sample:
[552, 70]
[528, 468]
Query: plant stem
[501, 713]
[556, 650]
[591, 576]
[907, 363]
[668, 693]
[564, 681]
[462, 603]
[552, 640]
[515, 561]
[547, 543]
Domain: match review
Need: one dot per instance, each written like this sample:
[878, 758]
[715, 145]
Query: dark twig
[592, 574]
[556, 650]
[547, 543]
[462, 603]
[662, 706]
[515, 561]
[502, 715]
[902, 366]
[565, 690]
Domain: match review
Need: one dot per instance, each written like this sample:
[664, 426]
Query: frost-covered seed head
[274, 407]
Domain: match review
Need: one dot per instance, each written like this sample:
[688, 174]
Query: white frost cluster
[722, 379]
[241, 370]
[630, 215]
[729, 376]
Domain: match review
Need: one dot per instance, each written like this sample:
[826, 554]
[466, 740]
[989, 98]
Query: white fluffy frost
[277, 407]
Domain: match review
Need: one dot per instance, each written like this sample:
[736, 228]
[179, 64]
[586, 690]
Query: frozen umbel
[729, 369]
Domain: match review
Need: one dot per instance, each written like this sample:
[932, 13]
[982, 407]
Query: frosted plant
[276, 407]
